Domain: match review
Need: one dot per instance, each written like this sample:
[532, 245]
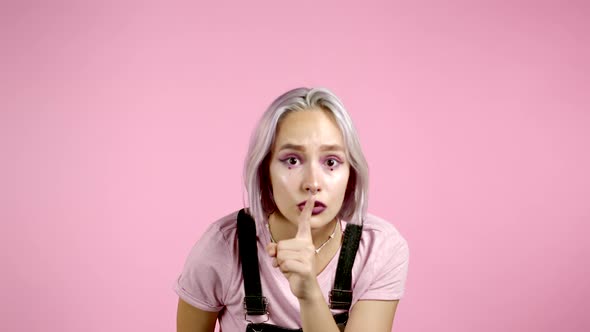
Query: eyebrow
[325, 147]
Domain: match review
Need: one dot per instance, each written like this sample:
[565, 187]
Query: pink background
[123, 127]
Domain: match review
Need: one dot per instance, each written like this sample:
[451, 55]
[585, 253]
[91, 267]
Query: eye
[332, 162]
[291, 161]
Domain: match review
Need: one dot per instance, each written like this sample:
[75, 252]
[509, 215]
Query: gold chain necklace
[317, 251]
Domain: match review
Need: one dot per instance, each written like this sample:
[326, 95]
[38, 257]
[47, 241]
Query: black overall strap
[341, 294]
[254, 302]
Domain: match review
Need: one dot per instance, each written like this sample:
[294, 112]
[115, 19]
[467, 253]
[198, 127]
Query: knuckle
[284, 266]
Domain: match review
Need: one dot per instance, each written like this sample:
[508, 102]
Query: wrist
[312, 297]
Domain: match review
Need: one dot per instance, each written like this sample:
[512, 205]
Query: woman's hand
[296, 257]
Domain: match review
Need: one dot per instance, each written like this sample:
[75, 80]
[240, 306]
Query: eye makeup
[287, 159]
[293, 160]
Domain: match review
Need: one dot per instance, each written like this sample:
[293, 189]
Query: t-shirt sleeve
[390, 269]
[205, 272]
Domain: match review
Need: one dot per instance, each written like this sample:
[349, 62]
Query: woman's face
[309, 156]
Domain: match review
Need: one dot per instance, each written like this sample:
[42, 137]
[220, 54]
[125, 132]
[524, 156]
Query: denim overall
[255, 304]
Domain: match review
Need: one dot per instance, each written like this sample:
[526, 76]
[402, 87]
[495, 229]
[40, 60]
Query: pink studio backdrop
[123, 127]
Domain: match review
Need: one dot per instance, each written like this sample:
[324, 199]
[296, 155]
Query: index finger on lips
[304, 225]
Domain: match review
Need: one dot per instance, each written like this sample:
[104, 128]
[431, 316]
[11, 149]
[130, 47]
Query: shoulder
[215, 243]
[223, 230]
[225, 226]
[383, 256]
[381, 233]
[211, 266]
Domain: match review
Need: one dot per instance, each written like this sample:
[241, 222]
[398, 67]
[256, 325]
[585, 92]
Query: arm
[191, 319]
[316, 316]
[364, 316]
[370, 315]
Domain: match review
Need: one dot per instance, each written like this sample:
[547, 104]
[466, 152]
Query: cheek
[284, 179]
[338, 180]
[338, 187]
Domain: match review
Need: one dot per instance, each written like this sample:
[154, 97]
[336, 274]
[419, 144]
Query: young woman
[305, 254]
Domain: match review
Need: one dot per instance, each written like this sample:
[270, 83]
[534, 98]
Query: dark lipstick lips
[317, 203]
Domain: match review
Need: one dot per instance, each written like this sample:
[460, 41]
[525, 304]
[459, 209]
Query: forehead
[310, 128]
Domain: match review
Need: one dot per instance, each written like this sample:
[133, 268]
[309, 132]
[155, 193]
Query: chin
[322, 218]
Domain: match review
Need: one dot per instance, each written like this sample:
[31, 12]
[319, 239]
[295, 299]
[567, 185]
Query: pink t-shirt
[212, 277]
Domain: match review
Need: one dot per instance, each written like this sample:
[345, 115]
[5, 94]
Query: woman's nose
[311, 180]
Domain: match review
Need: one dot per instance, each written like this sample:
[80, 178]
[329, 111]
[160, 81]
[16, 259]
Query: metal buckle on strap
[259, 303]
[340, 299]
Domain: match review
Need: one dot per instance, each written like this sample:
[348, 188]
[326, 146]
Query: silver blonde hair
[256, 165]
